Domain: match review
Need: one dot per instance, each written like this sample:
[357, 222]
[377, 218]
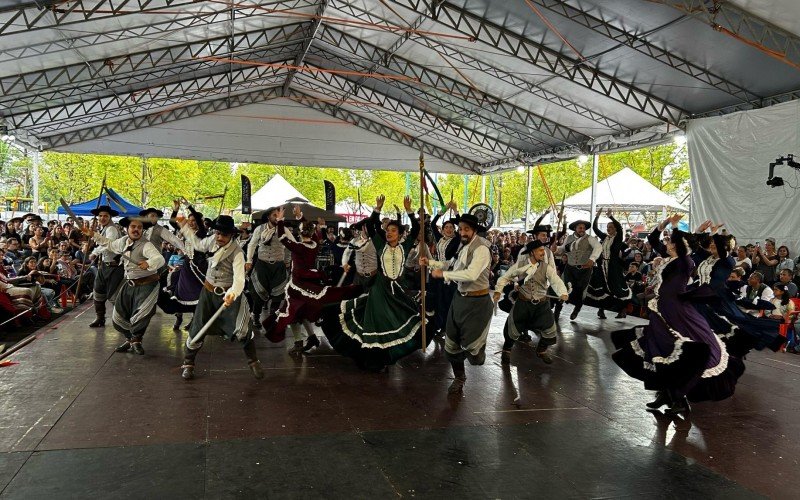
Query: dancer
[158, 234]
[136, 302]
[269, 276]
[109, 273]
[360, 256]
[582, 252]
[607, 287]
[470, 313]
[676, 354]
[382, 326]
[447, 242]
[223, 287]
[305, 293]
[531, 311]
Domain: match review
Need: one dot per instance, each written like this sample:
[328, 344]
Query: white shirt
[528, 269]
[481, 259]
[153, 257]
[209, 244]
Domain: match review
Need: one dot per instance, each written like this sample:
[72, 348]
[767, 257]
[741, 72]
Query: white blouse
[393, 261]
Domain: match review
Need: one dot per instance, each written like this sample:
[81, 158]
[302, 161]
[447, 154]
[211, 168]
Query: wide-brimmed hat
[14, 220]
[542, 228]
[104, 208]
[125, 222]
[151, 210]
[585, 223]
[472, 221]
[265, 213]
[531, 246]
[225, 225]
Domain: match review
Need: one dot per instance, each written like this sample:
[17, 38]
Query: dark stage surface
[79, 421]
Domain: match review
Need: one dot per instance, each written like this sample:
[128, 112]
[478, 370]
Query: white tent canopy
[276, 191]
[628, 191]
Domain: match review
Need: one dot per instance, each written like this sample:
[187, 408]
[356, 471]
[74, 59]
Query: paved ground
[77, 420]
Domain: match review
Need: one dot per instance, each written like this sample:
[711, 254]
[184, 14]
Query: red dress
[306, 294]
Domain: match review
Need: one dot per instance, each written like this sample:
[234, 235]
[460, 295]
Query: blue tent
[115, 201]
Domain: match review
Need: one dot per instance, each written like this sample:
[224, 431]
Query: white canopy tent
[275, 192]
[625, 191]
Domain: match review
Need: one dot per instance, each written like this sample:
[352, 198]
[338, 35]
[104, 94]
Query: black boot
[311, 342]
[601, 314]
[505, 358]
[575, 312]
[178, 321]
[125, 347]
[557, 310]
[100, 313]
[297, 349]
[479, 358]
[680, 405]
[662, 399]
[188, 372]
[622, 314]
[460, 378]
[256, 369]
[136, 345]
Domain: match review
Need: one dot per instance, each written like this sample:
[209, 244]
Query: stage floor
[79, 421]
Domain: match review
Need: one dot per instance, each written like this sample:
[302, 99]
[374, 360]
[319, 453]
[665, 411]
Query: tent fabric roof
[275, 192]
[625, 190]
[477, 85]
[115, 201]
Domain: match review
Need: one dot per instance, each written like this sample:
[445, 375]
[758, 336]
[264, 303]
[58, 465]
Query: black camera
[773, 181]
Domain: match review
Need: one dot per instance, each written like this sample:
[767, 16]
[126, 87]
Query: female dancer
[608, 288]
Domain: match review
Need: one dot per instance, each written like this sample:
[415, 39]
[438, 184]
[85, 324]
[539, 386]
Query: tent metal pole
[528, 198]
[593, 209]
[466, 194]
[37, 157]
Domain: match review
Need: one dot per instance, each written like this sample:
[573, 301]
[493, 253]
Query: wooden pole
[423, 270]
[222, 203]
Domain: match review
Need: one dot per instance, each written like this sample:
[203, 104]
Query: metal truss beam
[384, 131]
[59, 118]
[728, 18]
[641, 45]
[509, 42]
[430, 81]
[762, 103]
[311, 34]
[411, 117]
[156, 30]
[98, 75]
[523, 85]
[188, 110]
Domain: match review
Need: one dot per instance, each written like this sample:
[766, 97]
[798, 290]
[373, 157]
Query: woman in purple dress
[677, 353]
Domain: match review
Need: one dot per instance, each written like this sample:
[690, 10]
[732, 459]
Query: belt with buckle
[531, 300]
[216, 290]
[143, 281]
[476, 293]
[369, 275]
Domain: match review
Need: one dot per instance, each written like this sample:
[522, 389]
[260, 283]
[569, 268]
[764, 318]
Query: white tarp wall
[729, 157]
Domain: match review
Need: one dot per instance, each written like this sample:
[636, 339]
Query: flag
[330, 196]
[247, 205]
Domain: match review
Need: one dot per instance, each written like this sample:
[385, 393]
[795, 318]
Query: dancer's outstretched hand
[379, 201]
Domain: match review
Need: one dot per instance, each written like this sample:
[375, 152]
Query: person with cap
[470, 313]
[109, 273]
[608, 288]
[360, 256]
[305, 293]
[185, 282]
[582, 252]
[269, 261]
[223, 287]
[136, 301]
[446, 247]
[380, 327]
[531, 310]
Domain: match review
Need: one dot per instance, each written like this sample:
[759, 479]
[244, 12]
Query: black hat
[472, 221]
[125, 222]
[265, 213]
[225, 225]
[104, 208]
[585, 223]
[542, 228]
[531, 246]
[14, 219]
[151, 210]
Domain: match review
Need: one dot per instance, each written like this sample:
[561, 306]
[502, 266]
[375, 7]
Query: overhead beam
[411, 117]
[309, 37]
[625, 38]
[387, 132]
[430, 80]
[188, 110]
[509, 42]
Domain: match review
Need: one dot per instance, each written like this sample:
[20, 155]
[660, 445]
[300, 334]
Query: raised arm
[596, 228]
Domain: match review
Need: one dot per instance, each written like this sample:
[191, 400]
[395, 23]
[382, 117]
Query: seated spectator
[23, 298]
[68, 273]
[783, 305]
[634, 278]
[175, 258]
[756, 293]
[46, 283]
[13, 252]
[785, 278]
[766, 261]
[784, 260]
[39, 242]
[736, 283]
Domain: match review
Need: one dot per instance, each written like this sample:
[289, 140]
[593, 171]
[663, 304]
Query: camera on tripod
[773, 181]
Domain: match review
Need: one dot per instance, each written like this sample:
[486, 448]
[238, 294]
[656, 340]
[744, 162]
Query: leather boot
[188, 372]
[311, 342]
[575, 312]
[100, 313]
[255, 367]
[662, 398]
[297, 349]
[601, 314]
[505, 358]
[136, 345]
[178, 321]
[557, 310]
[124, 347]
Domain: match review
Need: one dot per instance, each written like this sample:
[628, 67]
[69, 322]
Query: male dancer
[269, 278]
[223, 287]
[582, 252]
[531, 311]
[360, 252]
[471, 310]
[109, 271]
[136, 301]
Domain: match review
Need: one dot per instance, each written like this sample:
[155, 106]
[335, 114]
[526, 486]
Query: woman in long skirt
[608, 288]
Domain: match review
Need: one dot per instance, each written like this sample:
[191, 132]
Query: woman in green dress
[383, 325]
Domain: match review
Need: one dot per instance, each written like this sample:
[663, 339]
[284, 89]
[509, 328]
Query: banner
[330, 196]
[247, 206]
